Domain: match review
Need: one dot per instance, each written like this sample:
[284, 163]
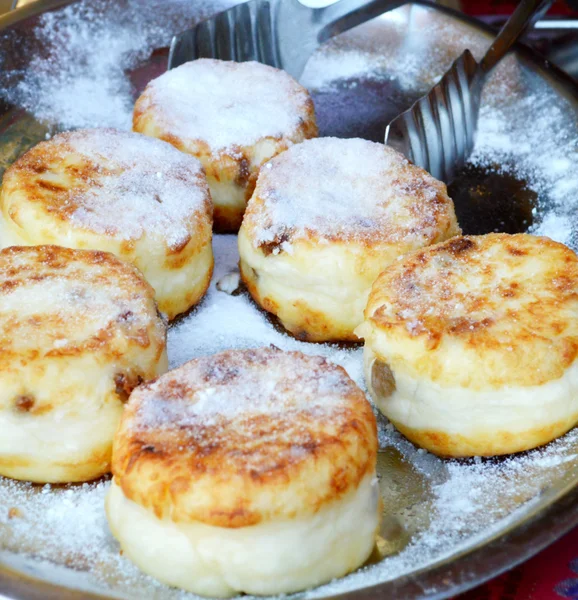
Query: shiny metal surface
[438, 131]
[280, 33]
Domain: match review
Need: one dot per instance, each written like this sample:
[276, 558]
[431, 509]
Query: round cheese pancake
[471, 345]
[79, 330]
[326, 217]
[233, 117]
[119, 192]
[247, 471]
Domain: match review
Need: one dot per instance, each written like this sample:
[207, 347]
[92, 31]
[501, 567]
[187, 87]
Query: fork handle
[346, 14]
[526, 14]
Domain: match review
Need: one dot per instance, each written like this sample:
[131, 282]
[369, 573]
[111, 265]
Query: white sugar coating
[223, 321]
[536, 138]
[233, 385]
[81, 80]
[225, 104]
[47, 307]
[345, 188]
[138, 185]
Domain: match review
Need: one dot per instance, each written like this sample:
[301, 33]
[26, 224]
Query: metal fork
[280, 33]
[438, 131]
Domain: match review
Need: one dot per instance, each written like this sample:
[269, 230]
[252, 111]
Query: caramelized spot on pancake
[24, 403]
[460, 245]
[125, 384]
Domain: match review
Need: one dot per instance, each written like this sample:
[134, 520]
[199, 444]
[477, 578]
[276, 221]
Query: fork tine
[437, 132]
[183, 48]
[457, 91]
[266, 42]
[465, 105]
[245, 32]
[471, 81]
[451, 150]
[432, 134]
[205, 39]
[417, 142]
[447, 131]
[224, 35]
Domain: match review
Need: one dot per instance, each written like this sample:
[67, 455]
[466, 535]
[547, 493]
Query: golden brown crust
[479, 311]
[76, 178]
[79, 330]
[311, 325]
[120, 192]
[243, 437]
[327, 216]
[488, 443]
[55, 287]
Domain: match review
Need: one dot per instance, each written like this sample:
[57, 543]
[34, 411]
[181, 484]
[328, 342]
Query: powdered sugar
[349, 189]
[135, 184]
[223, 321]
[79, 80]
[236, 384]
[537, 138]
[224, 104]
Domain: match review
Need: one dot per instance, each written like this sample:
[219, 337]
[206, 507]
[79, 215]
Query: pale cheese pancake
[233, 117]
[327, 216]
[79, 330]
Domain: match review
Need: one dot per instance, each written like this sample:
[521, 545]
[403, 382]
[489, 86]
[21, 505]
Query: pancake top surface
[225, 104]
[245, 436]
[57, 302]
[111, 182]
[481, 311]
[333, 189]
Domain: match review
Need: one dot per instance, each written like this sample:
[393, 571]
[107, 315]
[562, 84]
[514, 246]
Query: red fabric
[501, 7]
[551, 575]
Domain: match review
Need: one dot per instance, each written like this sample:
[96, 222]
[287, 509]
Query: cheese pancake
[471, 344]
[248, 469]
[79, 330]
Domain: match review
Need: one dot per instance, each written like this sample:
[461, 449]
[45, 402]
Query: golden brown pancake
[327, 216]
[233, 117]
[471, 344]
[79, 330]
[249, 445]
